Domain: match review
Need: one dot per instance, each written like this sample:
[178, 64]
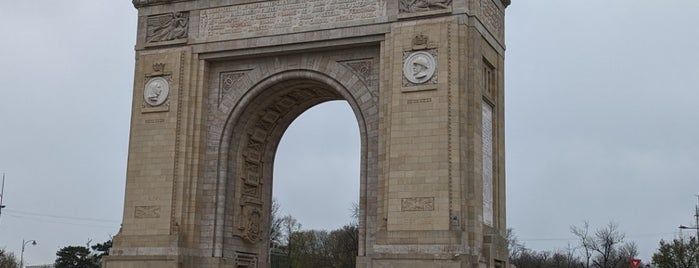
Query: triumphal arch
[217, 82]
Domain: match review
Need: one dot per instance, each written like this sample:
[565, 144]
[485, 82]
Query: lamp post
[695, 227]
[21, 258]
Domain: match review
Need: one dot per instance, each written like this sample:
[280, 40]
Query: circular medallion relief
[419, 67]
[156, 91]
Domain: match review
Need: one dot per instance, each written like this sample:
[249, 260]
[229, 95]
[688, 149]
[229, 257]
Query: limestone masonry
[218, 81]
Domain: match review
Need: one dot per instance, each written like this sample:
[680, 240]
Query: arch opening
[256, 130]
[316, 169]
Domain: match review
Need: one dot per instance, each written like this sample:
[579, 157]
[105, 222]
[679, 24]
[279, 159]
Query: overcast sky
[601, 120]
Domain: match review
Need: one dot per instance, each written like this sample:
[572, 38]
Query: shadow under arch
[248, 143]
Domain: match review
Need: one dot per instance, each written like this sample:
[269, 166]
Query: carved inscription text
[282, 16]
[487, 146]
[492, 17]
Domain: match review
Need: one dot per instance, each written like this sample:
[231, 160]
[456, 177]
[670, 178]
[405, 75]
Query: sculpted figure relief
[412, 6]
[419, 67]
[167, 27]
[156, 91]
[252, 228]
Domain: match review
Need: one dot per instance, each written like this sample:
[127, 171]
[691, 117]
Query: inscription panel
[492, 17]
[487, 146]
[286, 16]
[423, 100]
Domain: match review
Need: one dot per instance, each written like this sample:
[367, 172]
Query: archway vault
[253, 110]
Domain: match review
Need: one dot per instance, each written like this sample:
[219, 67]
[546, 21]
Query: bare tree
[276, 233]
[515, 248]
[586, 241]
[605, 243]
[8, 259]
[571, 259]
[604, 248]
[626, 252]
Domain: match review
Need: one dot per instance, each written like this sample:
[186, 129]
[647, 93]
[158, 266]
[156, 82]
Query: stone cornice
[143, 3]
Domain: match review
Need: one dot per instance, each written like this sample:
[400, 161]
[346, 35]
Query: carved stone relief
[144, 212]
[413, 6]
[167, 27]
[250, 177]
[417, 204]
[252, 229]
[156, 91]
[363, 70]
[227, 81]
[420, 42]
[419, 67]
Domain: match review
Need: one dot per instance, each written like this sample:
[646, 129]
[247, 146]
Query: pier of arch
[218, 82]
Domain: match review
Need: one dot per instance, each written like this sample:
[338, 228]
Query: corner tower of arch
[218, 82]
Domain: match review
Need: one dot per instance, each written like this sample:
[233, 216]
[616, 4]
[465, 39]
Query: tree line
[604, 247]
[292, 247]
[67, 257]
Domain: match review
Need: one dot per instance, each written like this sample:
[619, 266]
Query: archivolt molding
[260, 137]
[245, 128]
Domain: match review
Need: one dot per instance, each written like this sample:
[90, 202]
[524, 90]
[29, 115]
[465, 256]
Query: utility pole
[2, 192]
[695, 227]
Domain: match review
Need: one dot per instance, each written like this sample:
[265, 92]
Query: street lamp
[695, 227]
[696, 218]
[21, 258]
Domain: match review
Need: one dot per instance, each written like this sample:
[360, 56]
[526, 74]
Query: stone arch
[246, 129]
[422, 188]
